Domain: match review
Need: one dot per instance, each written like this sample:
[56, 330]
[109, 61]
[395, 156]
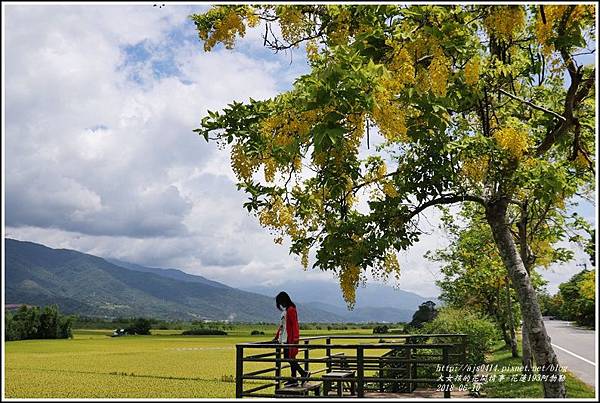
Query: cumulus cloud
[100, 155]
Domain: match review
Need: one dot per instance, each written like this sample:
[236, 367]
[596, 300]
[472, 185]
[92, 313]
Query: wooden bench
[299, 390]
[340, 377]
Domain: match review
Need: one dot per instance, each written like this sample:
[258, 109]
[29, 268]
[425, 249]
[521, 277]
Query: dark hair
[283, 300]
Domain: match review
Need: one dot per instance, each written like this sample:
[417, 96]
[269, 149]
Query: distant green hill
[89, 285]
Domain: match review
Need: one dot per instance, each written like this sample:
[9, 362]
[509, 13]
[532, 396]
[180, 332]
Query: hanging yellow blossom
[475, 169]
[423, 80]
[389, 189]
[349, 280]
[472, 71]
[545, 31]
[252, 18]
[225, 31]
[505, 22]
[391, 265]
[304, 258]
[439, 71]
[514, 141]
[312, 51]
[389, 115]
[291, 22]
[243, 166]
[401, 66]
[270, 168]
[339, 35]
[356, 123]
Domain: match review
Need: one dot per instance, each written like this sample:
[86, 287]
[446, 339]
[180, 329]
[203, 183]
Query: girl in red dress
[289, 332]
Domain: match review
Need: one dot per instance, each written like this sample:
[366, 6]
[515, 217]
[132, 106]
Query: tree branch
[534, 106]
[448, 199]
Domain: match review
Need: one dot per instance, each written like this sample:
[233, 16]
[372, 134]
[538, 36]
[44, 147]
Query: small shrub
[481, 332]
[204, 332]
[380, 329]
[257, 333]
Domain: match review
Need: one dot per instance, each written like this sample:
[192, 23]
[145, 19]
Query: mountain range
[90, 285]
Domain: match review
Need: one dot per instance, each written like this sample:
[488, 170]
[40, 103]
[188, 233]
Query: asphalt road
[575, 347]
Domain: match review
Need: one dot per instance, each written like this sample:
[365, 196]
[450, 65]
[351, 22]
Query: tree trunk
[527, 358]
[501, 318]
[532, 316]
[528, 260]
[511, 323]
[505, 336]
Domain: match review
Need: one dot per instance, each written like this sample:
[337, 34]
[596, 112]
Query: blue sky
[100, 155]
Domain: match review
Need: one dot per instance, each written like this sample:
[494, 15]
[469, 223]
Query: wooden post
[239, 371]
[381, 374]
[306, 355]
[464, 349]
[446, 372]
[409, 369]
[360, 369]
[278, 366]
[328, 353]
[413, 373]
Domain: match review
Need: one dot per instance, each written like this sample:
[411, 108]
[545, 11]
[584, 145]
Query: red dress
[293, 330]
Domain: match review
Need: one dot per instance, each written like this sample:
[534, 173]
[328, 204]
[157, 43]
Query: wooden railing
[393, 363]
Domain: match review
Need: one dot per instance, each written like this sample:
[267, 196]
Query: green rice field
[163, 365]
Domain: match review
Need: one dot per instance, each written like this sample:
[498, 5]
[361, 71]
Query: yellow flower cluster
[544, 31]
[304, 258]
[270, 167]
[505, 22]
[475, 169]
[339, 35]
[389, 116]
[390, 189]
[349, 278]
[286, 126]
[312, 51]
[224, 31]
[439, 71]
[291, 21]
[297, 163]
[472, 71]
[553, 15]
[279, 215]
[252, 18]
[391, 265]
[423, 81]
[356, 122]
[514, 141]
[243, 166]
[283, 129]
[401, 66]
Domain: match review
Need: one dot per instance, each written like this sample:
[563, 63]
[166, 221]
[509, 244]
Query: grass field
[166, 364]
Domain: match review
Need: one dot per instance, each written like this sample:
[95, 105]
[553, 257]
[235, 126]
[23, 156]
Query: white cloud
[101, 101]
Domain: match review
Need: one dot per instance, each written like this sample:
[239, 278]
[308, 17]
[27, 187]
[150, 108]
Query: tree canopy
[471, 102]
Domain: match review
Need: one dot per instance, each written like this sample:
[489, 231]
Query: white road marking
[574, 355]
